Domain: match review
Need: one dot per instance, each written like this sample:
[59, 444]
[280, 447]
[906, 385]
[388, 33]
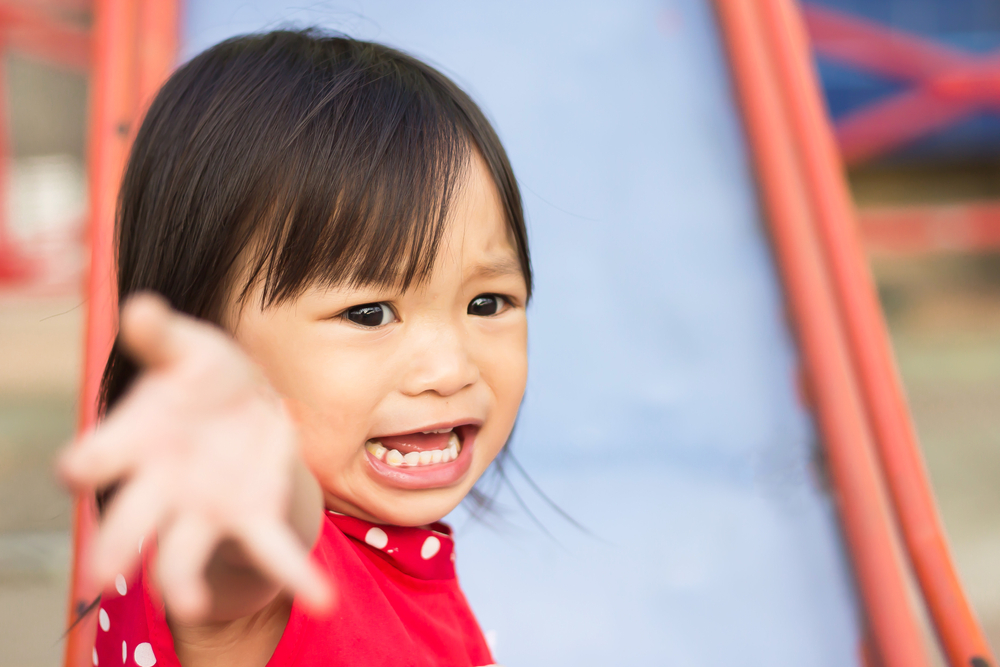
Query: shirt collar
[419, 552]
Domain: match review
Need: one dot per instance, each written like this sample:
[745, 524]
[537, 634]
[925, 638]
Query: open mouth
[416, 449]
[425, 459]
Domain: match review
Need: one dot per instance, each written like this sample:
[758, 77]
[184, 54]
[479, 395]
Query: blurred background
[913, 87]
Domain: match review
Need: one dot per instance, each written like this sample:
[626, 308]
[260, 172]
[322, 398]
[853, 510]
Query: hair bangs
[368, 204]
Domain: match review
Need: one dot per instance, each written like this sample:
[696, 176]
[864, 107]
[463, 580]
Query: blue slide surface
[661, 411]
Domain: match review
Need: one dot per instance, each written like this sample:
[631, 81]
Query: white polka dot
[144, 655]
[376, 537]
[102, 617]
[431, 546]
[120, 585]
[93, 654]
[124, 652]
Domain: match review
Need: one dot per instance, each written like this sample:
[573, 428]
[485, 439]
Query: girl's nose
[441, 364]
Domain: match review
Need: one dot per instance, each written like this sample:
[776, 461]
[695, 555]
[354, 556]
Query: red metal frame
[859, 402]
[41, 34]
[867, 523]
[948, 84]
[110, 112]
[127, 71]
[34, 32]
[916, 230]
[871, 351]
[14, 267]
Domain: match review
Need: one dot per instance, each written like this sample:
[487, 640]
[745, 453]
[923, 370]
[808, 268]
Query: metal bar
[916, 230]
[43, 36]
[878, 49]
[840, 414]
[860, 317]
[63, 6]
[112, 106]
[893, 122]
[940, 100]
[14, 267]
[66, 48]
[951, 84]
[159, 25]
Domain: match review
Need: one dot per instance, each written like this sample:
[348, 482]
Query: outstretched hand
[205, 455]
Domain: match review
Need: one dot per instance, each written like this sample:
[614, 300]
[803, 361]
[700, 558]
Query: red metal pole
[878, 48]
[30, 29]
[840, 414]
[135, 49]
[949, 84]
[159, 25]
[15, 267]
[112, 106]
[12, 266]
[883, 126]
[861, 317]
[914, 230]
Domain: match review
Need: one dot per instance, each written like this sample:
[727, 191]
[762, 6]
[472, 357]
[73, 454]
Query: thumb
[147, 330]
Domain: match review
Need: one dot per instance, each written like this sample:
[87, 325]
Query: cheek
[331, 395]
[505, 368]
[513, 377]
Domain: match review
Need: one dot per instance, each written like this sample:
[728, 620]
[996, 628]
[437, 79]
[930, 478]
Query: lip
[438, 426]
[433, 476]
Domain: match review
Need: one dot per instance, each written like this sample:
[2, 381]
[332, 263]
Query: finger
[134, 514]
[110, 451]
[276, 550]
[146, 330]
[183, 556]
[161, 338]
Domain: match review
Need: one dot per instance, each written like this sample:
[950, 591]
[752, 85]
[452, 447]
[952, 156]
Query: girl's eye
[485, 305]
[371, 314]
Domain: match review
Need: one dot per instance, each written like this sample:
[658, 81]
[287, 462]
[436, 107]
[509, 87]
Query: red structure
[126, 71]
[946, 85]
[38, 30]
[875, 461]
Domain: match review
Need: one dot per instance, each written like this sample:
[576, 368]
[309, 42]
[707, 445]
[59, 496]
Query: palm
[205, 453]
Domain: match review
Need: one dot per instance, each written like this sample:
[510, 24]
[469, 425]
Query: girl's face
[403, 399]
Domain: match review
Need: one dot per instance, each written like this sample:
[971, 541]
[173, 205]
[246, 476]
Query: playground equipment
[126, 72]
[684, 196]
[38, 31]
[906, 96]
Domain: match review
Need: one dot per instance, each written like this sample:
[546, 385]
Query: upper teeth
[396, 458]
[440, 430]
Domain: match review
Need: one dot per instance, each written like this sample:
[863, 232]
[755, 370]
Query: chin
[417, 508]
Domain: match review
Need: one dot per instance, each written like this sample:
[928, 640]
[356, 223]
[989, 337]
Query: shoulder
[132, 626]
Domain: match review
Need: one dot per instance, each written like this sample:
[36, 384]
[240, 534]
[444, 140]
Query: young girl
[337, 354]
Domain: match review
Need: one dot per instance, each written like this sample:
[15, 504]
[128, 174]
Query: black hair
[289, 158]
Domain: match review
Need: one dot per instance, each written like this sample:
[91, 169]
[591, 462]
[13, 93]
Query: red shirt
[399, 604]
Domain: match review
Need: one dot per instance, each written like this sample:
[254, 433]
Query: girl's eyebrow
[497, 269]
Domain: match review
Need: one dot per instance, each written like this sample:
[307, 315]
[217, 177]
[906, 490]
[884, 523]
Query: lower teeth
[415, 459]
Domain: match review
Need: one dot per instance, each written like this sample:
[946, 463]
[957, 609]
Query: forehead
[476, 230]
